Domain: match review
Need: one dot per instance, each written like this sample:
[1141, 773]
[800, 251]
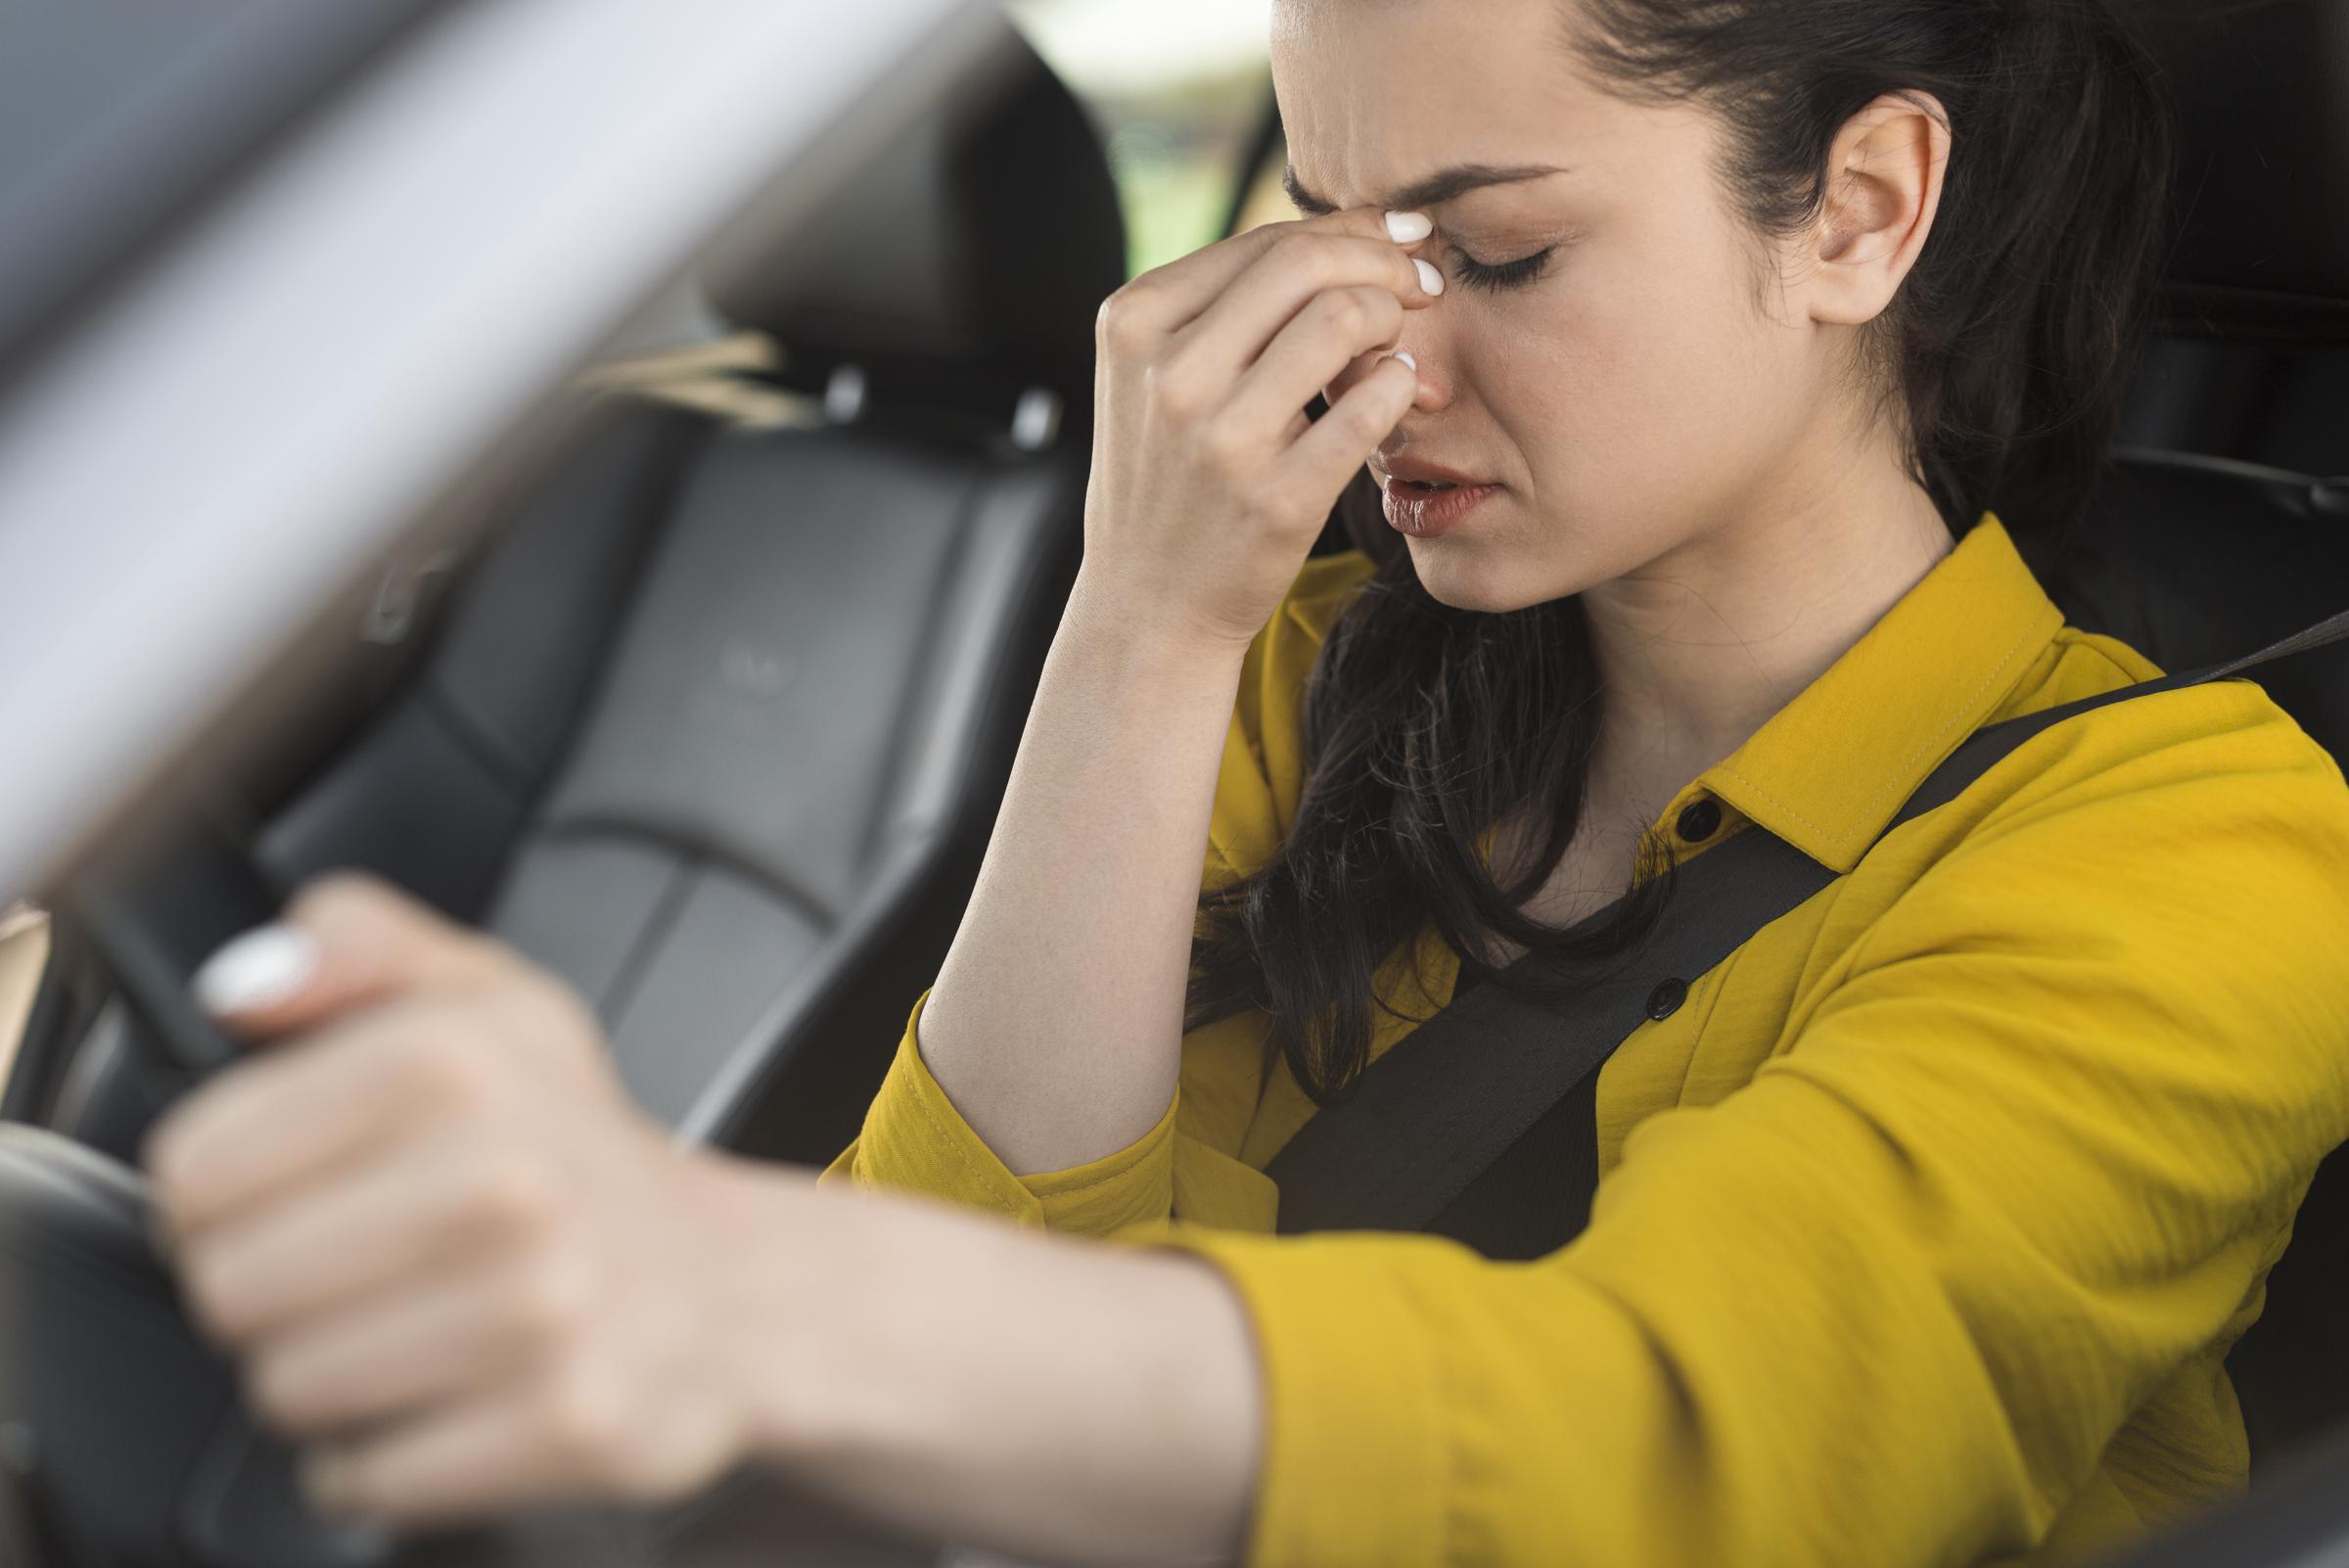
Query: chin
[1468, 574]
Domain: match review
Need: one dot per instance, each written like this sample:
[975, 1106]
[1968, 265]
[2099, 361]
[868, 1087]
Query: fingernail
[260, 969]
[1405, 357]
[1408, 228]
[1429, 278]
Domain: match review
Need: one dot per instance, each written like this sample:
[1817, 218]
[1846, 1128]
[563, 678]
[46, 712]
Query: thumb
[345, 941]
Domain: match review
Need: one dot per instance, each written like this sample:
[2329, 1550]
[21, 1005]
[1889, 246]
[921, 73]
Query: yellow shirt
[1924, 1225]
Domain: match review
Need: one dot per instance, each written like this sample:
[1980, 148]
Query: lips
[1427, 500]
[1420, 475]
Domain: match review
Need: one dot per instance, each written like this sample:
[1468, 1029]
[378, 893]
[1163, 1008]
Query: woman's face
[1613, 346]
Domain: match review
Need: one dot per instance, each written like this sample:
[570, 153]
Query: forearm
[1056, 1023]
[1063, 1401]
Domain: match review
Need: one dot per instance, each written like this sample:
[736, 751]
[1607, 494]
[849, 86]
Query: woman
[1924, 1222]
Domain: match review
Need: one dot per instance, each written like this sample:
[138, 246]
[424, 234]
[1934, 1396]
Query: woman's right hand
[1208, 483]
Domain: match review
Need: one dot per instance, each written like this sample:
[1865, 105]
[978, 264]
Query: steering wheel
[122, 1437]
[125, 1442]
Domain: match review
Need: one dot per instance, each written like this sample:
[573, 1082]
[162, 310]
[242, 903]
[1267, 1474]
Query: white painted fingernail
[258, 969]
[1405, 357]
[1429, 278]
[1408, 228]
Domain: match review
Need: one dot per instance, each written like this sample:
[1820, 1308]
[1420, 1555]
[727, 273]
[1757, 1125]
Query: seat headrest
[968, 260]
[2263, 180]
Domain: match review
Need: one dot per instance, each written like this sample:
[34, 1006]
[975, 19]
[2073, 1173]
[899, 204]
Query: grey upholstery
[789, 724]
[718, 727]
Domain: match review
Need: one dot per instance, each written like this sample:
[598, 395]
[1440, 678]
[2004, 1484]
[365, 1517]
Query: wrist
[821, 1289]
[962, 1379]
[1150, 624]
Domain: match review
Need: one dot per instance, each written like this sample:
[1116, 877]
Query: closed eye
[1497, 276]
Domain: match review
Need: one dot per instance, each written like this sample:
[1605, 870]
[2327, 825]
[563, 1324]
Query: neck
[1701, 646]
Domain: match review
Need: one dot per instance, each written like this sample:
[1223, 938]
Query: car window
[1180, 97]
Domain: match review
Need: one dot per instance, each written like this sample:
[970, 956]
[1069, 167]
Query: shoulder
[2190, 845]
[1263, 774]
[2220, 737]
[2151, 892]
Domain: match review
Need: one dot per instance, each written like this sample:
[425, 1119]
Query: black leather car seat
[2219, 530]
[2252, 358]
[717, 725]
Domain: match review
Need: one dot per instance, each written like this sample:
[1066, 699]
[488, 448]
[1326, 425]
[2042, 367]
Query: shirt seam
[1771, 796]
[1972, 709]
[1712, 981]
[962, 1156]
[1135, 1154]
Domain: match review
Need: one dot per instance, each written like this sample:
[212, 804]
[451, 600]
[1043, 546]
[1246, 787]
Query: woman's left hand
[449, 1255]
[467, 1275]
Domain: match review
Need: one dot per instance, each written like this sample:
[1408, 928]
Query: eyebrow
[1435, 188]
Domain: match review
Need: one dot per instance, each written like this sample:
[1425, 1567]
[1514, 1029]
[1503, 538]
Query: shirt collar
[1832, 767]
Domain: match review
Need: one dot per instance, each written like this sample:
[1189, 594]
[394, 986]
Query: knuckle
[169, 1184]
[1325, 257]
[1362, 420]
[1118, 325]
[1299, 245]
[208, 1284]
[277, 1390]
[584, 1420]
[449, 1075]
[551, 1016]
[1228, 445]
[339, 895]
[514, 1197]
[1344, 312]
[1174, 388]
[549, 1300]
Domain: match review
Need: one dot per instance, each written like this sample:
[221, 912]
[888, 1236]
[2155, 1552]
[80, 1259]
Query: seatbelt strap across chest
[1437, 1110]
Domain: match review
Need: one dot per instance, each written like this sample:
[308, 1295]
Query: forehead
[1377, 94]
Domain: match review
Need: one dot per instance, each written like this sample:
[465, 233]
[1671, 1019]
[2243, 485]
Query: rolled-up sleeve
[2025, 1164]
[914, 1141]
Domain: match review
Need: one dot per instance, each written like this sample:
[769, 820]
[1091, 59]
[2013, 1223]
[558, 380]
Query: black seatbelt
[1441, 1107]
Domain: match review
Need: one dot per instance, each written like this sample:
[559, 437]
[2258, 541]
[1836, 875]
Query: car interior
[714, 722]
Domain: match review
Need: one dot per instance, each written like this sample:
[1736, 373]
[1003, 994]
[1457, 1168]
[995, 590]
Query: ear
[1884, 179]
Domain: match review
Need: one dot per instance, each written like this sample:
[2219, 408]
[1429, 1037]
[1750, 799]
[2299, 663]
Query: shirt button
[1665, 1000]
[1700, 821]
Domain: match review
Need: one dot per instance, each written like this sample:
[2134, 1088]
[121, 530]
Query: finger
[345, 941]
[383, 1223]
[1329, 454]
[1287, 281]
[1167, 298]
[277, 1121]
[1329, 333]
[473, 1328]
[528, 1444]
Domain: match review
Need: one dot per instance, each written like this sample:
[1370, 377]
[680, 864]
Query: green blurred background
[1178, 91]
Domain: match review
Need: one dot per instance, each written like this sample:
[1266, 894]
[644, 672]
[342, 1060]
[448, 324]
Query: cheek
[1643, 387]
